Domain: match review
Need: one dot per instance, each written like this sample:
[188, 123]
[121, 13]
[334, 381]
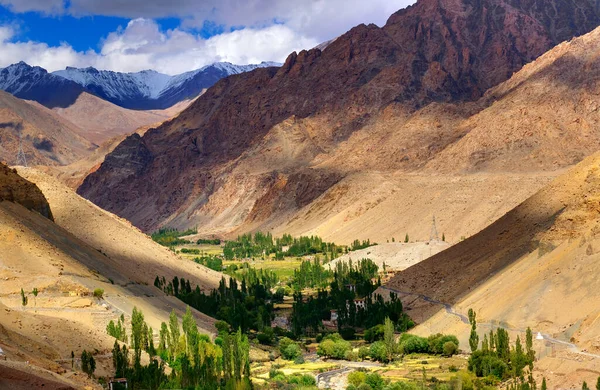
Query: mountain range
[323, 144]
[144, 90]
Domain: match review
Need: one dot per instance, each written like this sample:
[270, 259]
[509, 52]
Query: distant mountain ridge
[143, 90]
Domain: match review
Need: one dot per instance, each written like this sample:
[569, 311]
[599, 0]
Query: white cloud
[141, 45]
[319, 19]
[273, 29]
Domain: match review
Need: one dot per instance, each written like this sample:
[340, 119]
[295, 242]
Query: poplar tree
[474, 337]
[174, 327]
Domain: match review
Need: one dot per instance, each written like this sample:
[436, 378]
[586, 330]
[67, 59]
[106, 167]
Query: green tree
[585, 386]
[174, 328]
[72, 359]
[23, 298]
[35, 294]
[406, 238]
[473, 337]
[545, 387]
[598, 384]
[137, 334]
[389, 338]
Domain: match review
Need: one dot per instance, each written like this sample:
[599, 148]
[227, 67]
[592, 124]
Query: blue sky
[173, 36]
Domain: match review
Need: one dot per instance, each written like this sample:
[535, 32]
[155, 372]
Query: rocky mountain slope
[35, 83]
[318, 145]
[48, 139]
[542, 258]
[13, 188]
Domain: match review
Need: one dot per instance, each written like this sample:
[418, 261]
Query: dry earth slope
[537, 266]
[48, 139]
[86, 248]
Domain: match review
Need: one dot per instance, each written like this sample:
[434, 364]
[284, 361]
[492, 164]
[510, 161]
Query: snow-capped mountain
[141, 91]
[35, 83]
[149, 89]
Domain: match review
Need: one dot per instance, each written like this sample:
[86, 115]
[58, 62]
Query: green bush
[450, 348]
[413, 344]
[351, 356]
[355, 378]
[98, 293]
[374, 334]
[363, 353]
[291, 352]
[379, 351]
[375, 381]
[364, 386]
[437, 341]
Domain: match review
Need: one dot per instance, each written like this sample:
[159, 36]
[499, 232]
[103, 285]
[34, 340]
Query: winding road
[450, 310]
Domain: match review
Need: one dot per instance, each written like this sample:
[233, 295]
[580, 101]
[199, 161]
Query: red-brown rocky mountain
[260, 149]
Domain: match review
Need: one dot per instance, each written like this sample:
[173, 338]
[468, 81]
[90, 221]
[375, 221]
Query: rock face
[13, 188]
[259, 142]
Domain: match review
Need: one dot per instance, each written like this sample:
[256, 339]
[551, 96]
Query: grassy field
[411, 368]
[283, 268]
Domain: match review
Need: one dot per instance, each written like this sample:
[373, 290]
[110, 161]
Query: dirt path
[463, 318]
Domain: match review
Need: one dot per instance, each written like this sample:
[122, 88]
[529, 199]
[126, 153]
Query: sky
[174, 36]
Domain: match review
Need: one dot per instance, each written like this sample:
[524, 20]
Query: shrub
[437, 341]
[291, 352]
[355, 378]
[450, 348]
[299, 360]
[351, 356]
[413, 344]
[375, 381]
[364, 386]
[266, 336]
[98, 293]
[374, 334]
[363, 353]
[379, 351]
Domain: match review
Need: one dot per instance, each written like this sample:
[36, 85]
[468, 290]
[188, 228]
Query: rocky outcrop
[13, 188]
[434, 51]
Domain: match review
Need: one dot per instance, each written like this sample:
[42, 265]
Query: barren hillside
[87, 248]
[100, 120]
[542, 258]
[48, 139]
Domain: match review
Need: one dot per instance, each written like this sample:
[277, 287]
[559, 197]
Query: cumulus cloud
[320, 19]
[265, 30]
[142, 45]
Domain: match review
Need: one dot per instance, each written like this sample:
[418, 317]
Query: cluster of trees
[356, 244]
[195, 361]
[117, 331]
[350, 282]
[88, 363]
[311, 274]
[208, 241]
[251, 275]
[247, 305]
[261, 244]
[170, 237]
[176, 287]
[211, 261]
[496, 358]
